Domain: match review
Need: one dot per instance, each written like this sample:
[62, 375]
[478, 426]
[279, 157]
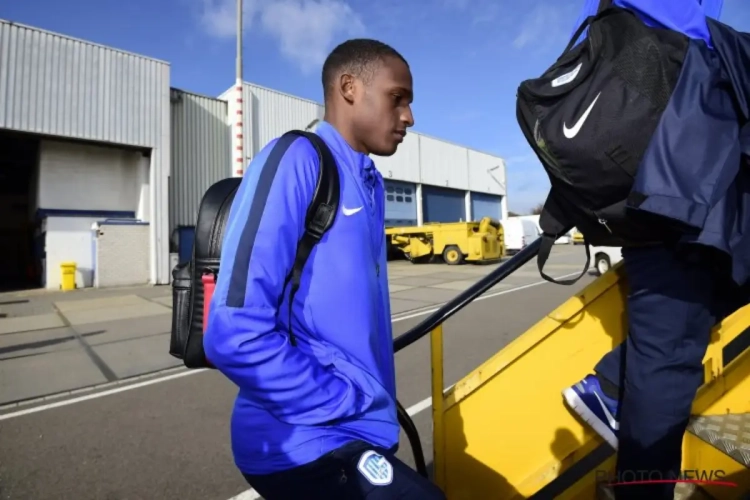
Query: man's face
[383, 110]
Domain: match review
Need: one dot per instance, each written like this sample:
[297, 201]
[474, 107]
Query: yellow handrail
[438, 403]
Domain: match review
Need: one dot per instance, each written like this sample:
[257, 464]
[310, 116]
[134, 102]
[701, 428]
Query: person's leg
[318, 480]
[355, 471]
[610, 370]
[671, 311]
[595, 398]
[662, 288]
[381, 476]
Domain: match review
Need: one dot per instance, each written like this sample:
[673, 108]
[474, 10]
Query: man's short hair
[358, 57]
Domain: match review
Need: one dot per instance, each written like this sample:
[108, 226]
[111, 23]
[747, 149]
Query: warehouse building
[103, 163]
[84, 162]
[427, 180]
[201, 156]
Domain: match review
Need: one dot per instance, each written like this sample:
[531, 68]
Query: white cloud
[305, 30]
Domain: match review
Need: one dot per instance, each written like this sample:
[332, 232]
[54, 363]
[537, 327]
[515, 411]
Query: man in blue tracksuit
[696, 171]
[318, 419]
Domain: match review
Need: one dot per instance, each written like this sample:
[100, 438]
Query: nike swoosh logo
[350, 211]
[572, 132]
[610, 418]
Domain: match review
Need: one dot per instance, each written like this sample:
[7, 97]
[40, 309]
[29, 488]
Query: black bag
[187, 286]
[589, 118]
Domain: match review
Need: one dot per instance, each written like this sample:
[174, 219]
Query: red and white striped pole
[237, 133]
[238, 137]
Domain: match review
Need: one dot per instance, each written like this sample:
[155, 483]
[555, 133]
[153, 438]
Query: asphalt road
[170, 440]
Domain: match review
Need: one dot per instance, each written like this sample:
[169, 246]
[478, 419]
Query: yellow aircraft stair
[494, 437]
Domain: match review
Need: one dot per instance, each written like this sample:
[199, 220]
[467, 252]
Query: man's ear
[347, 87]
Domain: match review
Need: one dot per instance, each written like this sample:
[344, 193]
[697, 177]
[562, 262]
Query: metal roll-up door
[400, 204]
[486, 205]
[443, 204]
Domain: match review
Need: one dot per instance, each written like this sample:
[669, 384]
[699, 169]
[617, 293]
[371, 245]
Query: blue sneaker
[587, 399]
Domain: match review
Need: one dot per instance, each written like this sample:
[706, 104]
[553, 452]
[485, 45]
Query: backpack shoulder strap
[321, 213]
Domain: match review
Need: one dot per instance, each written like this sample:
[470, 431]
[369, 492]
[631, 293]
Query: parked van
[518, 233]
[605, 258]
[562, 240]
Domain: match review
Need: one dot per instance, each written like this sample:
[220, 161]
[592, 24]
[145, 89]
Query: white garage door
[83, 177]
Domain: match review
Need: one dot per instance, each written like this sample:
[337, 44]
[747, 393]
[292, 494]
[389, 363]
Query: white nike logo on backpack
[572, 132]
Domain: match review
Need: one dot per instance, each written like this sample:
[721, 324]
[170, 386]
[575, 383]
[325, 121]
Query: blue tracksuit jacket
[296, 403]
[697, 167]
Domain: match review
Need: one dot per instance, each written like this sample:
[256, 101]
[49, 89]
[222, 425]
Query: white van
[518, 233]
[605, 258]
[562, 240]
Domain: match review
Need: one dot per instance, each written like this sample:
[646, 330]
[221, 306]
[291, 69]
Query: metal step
[729, 433]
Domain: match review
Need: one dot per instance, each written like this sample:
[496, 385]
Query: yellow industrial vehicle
[455, 242]
[495, 438]
[578, 238]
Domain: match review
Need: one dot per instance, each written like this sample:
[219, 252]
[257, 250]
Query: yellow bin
[68, 272]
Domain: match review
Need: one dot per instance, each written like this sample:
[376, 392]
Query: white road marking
[478, 299]
[188, 372]
[96, 395]
[419, 407]
[250, 494]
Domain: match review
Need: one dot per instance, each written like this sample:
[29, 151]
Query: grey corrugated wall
[51, 84]
[201, 148]
[61, 86]
[269, 114]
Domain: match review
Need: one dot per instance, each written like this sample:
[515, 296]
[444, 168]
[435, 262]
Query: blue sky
[467, 56]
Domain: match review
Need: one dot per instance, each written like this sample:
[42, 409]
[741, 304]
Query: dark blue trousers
[672, 306]
[354, 471]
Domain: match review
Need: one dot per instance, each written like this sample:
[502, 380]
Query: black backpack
[590, 118]
[187, 285]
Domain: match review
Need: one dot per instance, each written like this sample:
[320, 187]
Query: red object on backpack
[209, 285]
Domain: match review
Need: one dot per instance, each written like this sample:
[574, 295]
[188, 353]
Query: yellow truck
[455, 242]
